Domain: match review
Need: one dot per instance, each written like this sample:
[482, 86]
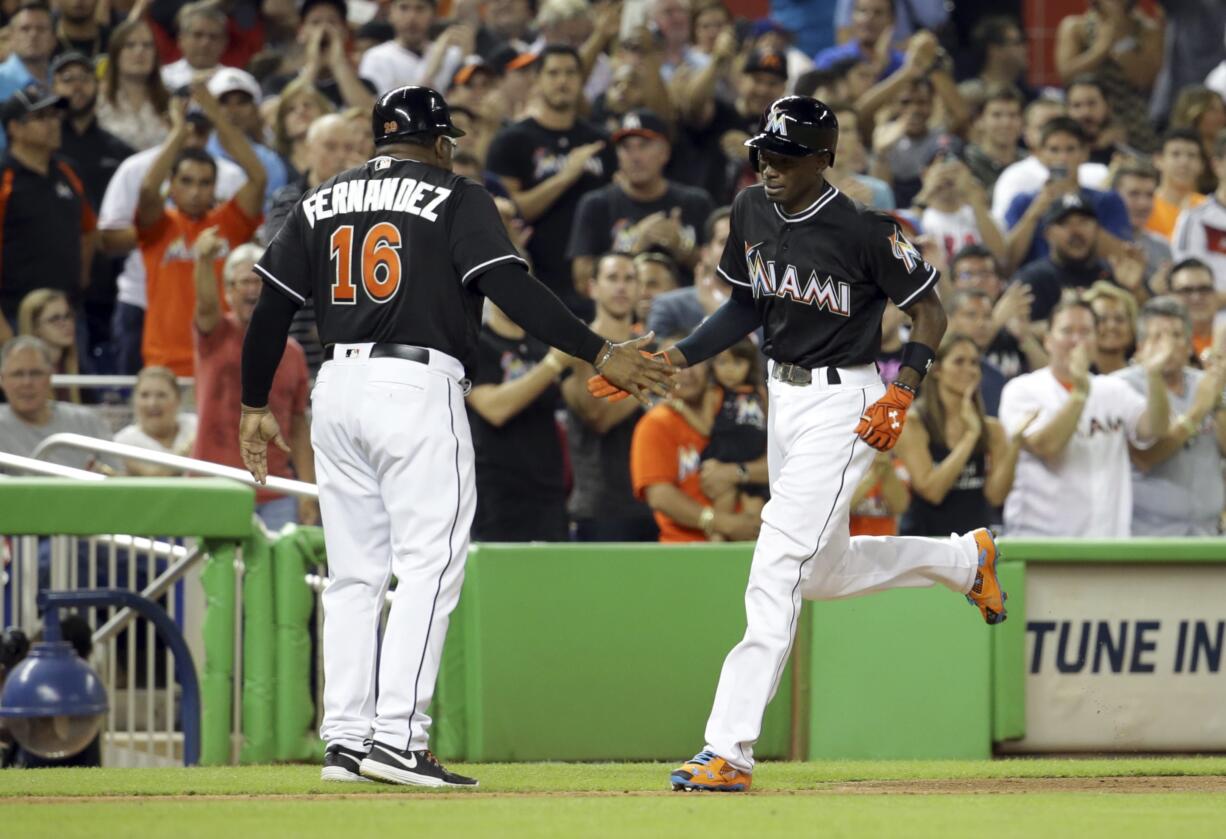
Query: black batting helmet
[411, 110]
[797, 126]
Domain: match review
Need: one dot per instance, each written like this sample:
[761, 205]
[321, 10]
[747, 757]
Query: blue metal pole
[185, 669]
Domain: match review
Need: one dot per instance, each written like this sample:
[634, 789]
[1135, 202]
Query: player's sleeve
[284, 265]
[477, 237]
[733, 262]
[650, 460]
[893, 262]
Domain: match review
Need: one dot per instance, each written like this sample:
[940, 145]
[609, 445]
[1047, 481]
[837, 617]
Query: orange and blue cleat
[986, 592]
[708, 771]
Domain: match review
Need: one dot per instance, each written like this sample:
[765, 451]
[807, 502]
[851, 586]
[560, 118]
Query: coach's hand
[640, 374]
[881, 425]
[256, 427]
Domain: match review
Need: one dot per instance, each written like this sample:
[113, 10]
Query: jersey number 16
[379, 263]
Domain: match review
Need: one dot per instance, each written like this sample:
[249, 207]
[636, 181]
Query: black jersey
[820, 278]
[389, 251]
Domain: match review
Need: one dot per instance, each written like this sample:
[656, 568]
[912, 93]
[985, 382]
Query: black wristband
[918, 357]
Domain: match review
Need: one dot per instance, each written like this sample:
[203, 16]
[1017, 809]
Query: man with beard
[78, 30]
[411, 57]
[1087, 103]
[1071, 228]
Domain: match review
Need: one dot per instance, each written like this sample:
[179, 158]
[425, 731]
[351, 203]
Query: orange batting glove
[881, 425]
[601, 388]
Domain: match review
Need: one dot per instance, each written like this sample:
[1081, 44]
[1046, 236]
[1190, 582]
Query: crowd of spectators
[152, 149]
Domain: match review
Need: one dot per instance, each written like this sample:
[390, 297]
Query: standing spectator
[1073, 474]
[956, 211]
[925, 63]
[32, 415]
[1135, 184]
[77, 28]
[970, 316]
[521, 495]
[46, 223]
[46, 314]
[1201, 110]
[1192, 283]
[160, 424]
[238, 93]
[1177, 483]
[133, 101]
[680, 311]
[298, 106]
[1123, 47]
[507, 22]
[1002, 44]
[1086, 98]
[872, 27]
[323, 36]
[411, 57]
[1179, 162]
[960, 462]
[671, 19]
[903, 147]
[998, 126]
[202, 40]
[771, 35]
[218, 339]
[1013, 348]
[547, 161]
[1201, 231]
[640, 209]
[602, 504]
[165, 234]
[32, 43]
[1115, 312]
[1071, 230]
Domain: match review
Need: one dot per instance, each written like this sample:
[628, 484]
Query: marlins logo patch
[777, 123]
[904, 250]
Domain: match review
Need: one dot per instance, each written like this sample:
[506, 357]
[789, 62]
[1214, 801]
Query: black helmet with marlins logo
[410, 110]
[797, 126]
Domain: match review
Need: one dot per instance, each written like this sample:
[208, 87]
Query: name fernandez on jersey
[834, 297]
[392, 194]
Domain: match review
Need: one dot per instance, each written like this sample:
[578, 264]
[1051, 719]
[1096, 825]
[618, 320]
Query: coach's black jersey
[819, 279]
[389, 250]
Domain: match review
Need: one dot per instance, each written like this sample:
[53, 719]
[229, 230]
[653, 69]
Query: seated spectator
[238, 93]
[1201, 110]
[955, 206]
[1191, 282]
[46, 314]
[734, 473]
[1062, 150]
[202, 39]
[218, 343]
[641, 209]
[657, 275]
[1135, 183]
[681, 311]
[960, 462]
[872, 26]
[848, 170]
[411, 57]
[1013, 348]
[665, 465]
[1086, 98]
[970, 315]
[32, 43]
[133, 102]
[1177, 483]
[31, 415]
[998, 128]
[879, 499]
[1200, 232]
[165, 234]
[160, 425]
[1115, 310]
[1071, 230]
[521, 496]
[1073, 474]
[1179, 162]
[298, 106]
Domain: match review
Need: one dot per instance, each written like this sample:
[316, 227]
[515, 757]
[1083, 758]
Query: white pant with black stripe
[804, 550]
[394, 464]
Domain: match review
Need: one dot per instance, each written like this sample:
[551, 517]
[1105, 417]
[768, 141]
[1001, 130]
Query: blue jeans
[278, 512]
[127, 329]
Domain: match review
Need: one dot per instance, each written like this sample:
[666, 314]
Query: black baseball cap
[68, 59]
[768, 61]
[472, 65]
[28, 100]
[1067, 205]
[340, 5]
[641, 123]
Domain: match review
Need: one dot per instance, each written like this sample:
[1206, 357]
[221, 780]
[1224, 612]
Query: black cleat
[341, 764]
[419, 768]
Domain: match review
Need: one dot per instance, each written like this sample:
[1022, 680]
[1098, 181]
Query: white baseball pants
[394, 464]
[804, 549]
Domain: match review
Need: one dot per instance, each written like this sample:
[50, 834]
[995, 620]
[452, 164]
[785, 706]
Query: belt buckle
[793, 375]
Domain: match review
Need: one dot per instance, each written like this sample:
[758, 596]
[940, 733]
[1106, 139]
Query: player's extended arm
[728, 324]
[251, 197]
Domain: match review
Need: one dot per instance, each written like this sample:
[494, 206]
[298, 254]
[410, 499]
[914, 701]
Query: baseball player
[398, 254]
[814, 270]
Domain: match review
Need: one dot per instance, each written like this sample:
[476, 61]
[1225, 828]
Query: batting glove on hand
[881, 425]
[601, 388]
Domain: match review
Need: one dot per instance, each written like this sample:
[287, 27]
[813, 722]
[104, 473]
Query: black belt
[402, 351]
[794, 375]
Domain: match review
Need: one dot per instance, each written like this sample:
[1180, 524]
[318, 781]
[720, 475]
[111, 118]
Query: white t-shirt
[132, 435]
[390, 65]
[1087, 490]
[176, 74]
[119, 205]
[954, 230]
[1216, 80]
[1200, 231]
[1029, 175]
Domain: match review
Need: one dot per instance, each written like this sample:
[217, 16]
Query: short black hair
[717, 215]
[1180, 134]
[1001, 93]
[195, 156]
[557, 49]
[1070, 299]
[1086, 80]
[1064, 125]
[990, 30]
[1192, 263]
[973, 251]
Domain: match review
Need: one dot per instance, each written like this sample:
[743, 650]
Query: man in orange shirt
[166, 235]
[1180, 164]
[666, 464]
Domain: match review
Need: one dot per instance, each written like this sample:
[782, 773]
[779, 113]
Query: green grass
[587, 801]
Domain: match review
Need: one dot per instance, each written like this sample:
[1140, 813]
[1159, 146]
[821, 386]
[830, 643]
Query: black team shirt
[819, 279]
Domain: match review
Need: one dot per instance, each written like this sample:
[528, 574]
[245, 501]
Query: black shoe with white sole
[341, 764]
[419, 767]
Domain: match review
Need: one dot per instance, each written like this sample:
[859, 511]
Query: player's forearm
[927, 328]
[264, 345]
[730, 323]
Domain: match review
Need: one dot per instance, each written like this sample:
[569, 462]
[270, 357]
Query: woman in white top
[132, 102]
[159, 425]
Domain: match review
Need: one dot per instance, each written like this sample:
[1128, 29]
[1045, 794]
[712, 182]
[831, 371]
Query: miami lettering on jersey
[387, 195]
[834, 297]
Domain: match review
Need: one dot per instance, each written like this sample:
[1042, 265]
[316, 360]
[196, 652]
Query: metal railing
[30, 466]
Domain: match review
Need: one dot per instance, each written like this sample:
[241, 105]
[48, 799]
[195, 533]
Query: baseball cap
[507, 58]
[641, 123]
[1067, 205]
[231, 79]
[28, 100]
[68, 59]
[472, 65]
[766, 24]
[768, 61]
